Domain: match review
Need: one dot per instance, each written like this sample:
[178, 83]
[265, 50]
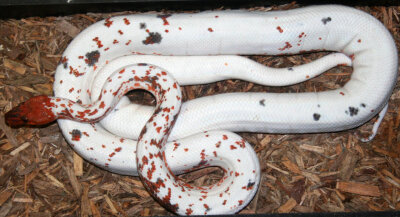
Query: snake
[200, 48]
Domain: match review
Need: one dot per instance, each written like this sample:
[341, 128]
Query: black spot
[316, 116]
[353, 111]
[290, 68]
[79, 101]
[154, 37]
[142, 64]
[262, 102]
[318, 105]
[65, 65]
[250, 184]
[92, 57]
[76, 135]
[363, 105]
[326, 20]
[142, 25]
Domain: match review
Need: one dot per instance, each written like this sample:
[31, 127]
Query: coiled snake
[201, 48]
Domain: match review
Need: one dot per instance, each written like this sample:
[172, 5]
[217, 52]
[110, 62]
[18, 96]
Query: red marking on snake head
[36, 111]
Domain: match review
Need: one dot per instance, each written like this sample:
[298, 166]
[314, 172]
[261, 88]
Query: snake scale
[160, 52]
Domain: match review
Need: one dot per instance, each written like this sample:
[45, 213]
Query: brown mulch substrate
[40, 175]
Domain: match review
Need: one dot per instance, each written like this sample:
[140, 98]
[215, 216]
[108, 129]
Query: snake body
[201, 48]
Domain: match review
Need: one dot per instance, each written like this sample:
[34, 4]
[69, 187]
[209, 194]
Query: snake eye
[24, 119]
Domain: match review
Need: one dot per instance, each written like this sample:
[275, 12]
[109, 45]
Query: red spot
[108, 22]
[186, 149]
[319, 38]
[180, 28]
[224, 137]
[115, 41]
[176, 145]
[359, 40]
[224, 203]
[86, 134]
[240, 202]
[203, 154]
[102, 105]
[279, 29]
[166, 31]
[215, 153]
[127, 43]
[210, 30]
[80, 57]
[103, 146]
[158, 129]
[287, 46]
[151, 171]
[122, 71]
[241, 143]
[63, 60]
[233, 147]
[164, 18]
[189, 211]
[75, 72]
[99, 44]
[341, 93]
[145, 161]
[118, 149]
[122, 140]
[70, 90]
[301, 35]
[216, 16]
[352, 57]
[237, 174]
[126, 21]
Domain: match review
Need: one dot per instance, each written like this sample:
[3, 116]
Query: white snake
[190, 47]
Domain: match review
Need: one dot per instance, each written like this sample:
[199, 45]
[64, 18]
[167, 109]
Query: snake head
[34, 112]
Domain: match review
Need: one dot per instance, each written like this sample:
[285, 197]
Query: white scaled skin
[201, 48]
